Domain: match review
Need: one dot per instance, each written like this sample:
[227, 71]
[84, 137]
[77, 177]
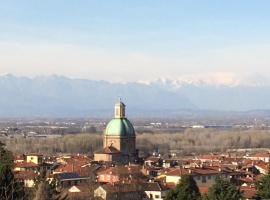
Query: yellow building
[34, 158]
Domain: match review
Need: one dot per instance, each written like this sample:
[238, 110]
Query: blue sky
[134, 40]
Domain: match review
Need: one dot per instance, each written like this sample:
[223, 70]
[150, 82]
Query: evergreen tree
[223, 190]
[186, 190]
[263, 186]
[10, 189]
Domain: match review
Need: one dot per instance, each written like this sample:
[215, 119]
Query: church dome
[120, 127]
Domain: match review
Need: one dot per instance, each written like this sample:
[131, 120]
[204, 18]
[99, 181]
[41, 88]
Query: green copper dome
[120, 127]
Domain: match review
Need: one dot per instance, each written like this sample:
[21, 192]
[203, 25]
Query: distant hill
[244, 95]
[57, 96]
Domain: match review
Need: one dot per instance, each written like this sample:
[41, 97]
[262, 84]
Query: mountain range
[58, 96]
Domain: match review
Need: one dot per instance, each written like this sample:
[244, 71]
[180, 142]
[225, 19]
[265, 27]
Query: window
[204, 179]
[209, 177]
[198, 178]
[156, 196]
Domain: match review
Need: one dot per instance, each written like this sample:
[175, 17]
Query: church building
[119, 139]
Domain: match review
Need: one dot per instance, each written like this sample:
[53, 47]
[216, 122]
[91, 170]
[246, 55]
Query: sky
[134, 40]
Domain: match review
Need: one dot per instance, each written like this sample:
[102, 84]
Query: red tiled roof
[71, 167]
[221, 168]
[25, 175]
[25, 165]
[247, 180]
[121, 170]
[177, 172]
[247, 161]
[197, 171]
[74, 164]
[262, 165]
[209, 157]
[261, 154]
[122, 188]
[248, 192]
[76, 158]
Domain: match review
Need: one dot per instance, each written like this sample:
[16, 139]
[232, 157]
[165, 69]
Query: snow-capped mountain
[211, 80]
[59, 96]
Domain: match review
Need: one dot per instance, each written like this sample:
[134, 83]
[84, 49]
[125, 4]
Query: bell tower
[119, 110]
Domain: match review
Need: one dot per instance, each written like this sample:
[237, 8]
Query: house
[209, 158]
[123, 174]
[174, 175]
[26, 177]
[152, 171]
[263, 156]
[246, 181]
[26, 166]
[153, 161]
[63, 160]
[203, 176]
[69, 179]
[79, 192]
[155, 191]
[34, 158]
[119, 192]
[191, 163]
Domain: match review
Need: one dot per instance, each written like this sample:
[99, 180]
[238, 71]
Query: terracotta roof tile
[262, 165]
[25, 175]
[261, 154]
[248, 192]
[25, 165]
